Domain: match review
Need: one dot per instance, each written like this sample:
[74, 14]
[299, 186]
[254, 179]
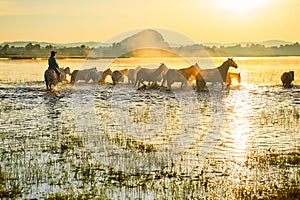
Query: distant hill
[150, 39]
[145, 39]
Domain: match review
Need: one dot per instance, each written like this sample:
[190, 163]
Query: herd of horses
[164, 75]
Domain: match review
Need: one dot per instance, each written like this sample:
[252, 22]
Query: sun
[241, 6]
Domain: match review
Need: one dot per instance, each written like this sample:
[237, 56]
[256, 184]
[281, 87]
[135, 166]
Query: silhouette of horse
[184, 76]
[51, 78]
[99, 77]
[118, 76]
[81, 74]
[131, 74]
[217, 74]
[287, 78]
[231, 76]
[150, 75]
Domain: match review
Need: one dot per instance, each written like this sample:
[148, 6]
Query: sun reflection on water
[239, 126]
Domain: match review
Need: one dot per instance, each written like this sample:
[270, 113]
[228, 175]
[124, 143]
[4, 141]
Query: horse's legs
[169, 85]
[46, 81]
[136, 80]
[163, 83]
[184, 84]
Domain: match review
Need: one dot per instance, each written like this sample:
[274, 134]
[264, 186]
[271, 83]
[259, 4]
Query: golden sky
[204, 21]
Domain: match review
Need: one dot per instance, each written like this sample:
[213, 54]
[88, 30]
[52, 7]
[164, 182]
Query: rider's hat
[53, 52]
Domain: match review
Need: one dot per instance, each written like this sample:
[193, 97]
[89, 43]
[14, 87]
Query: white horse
[51, 78]
[99, 77]
[131, 74]
[183, 75]
[81, 74]
[151, 75]
[63, 74]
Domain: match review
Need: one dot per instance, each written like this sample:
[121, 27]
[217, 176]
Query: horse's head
[138, 68]
[163, 67]
[67, 70]
[124, 71]
[196, 65]
[107, 72]
[230, 62]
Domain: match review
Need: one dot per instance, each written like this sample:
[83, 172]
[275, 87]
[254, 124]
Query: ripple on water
[123, 127]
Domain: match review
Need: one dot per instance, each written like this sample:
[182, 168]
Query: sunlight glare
[241, 5]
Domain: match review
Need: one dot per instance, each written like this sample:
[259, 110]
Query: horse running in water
[81, 74]
[118, 76]
[51, 78]
[184, 76]
[230, 76]
[218, 74]
[151, 75]
[99, 77]
[287, 78]
[131, 74]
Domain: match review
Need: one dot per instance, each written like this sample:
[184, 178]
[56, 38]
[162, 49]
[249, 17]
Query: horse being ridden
[52, 79]
[150, 75]
[52, 74]
[52, 64]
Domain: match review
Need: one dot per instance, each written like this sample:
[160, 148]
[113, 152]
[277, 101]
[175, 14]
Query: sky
[221, 21]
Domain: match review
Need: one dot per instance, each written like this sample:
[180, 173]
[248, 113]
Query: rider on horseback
[53, 64]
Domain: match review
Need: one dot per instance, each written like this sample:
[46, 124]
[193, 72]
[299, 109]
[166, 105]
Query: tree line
[36, 51]
[115, 50]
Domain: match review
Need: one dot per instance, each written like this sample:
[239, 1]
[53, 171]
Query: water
[119, 142]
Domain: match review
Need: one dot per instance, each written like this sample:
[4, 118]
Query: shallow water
[117, 141]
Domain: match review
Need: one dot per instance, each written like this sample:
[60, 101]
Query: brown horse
[184, 76]
[287, 78]
[218, 74]
[118, 76]
[230, 76]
